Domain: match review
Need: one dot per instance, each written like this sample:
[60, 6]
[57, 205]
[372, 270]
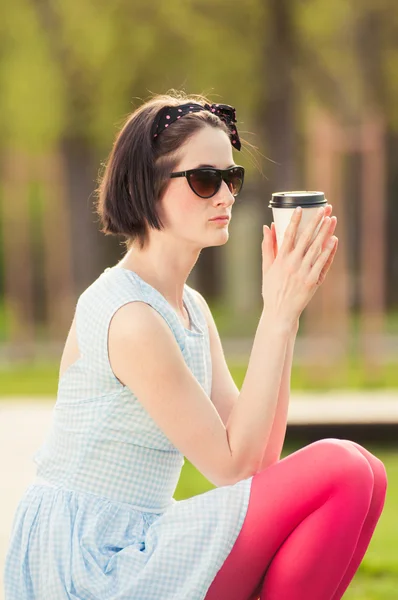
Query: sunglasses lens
[235, 180]
[205, 183]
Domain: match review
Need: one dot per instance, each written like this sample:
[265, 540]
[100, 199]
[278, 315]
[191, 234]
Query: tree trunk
[59, 292]
[88, 253]
[17, 251]
[276, 111]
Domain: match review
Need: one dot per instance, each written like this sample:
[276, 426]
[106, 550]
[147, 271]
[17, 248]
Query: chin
[218, 238]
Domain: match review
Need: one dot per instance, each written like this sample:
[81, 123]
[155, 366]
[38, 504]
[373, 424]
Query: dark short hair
[137, 171]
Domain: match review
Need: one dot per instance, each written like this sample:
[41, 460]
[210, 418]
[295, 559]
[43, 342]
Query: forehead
[210, 146]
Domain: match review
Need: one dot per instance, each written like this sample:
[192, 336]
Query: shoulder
[137, 318]
[142, 345]
[111, 289]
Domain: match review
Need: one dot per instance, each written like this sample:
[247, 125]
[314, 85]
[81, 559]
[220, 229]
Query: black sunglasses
[206, 181]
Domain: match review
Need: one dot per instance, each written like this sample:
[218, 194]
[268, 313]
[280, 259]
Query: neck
[164, 269]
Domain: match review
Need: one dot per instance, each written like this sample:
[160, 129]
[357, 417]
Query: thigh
[282, 496]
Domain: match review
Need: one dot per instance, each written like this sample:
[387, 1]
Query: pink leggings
[310, 520]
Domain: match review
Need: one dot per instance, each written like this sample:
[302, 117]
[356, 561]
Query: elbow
[240, 475]
[230, 478]
[238, 469]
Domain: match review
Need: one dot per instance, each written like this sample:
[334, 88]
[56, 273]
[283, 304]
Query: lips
[222, 218]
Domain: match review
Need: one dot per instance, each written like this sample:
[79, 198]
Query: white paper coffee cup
[283, 205]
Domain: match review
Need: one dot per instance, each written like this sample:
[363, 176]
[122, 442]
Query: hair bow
[169, 114]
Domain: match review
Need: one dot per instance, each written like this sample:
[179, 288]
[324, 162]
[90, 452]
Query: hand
[333, 223]
[272, 251]
[304, 266]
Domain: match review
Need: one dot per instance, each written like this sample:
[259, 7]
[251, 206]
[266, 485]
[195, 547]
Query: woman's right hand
[297, 271]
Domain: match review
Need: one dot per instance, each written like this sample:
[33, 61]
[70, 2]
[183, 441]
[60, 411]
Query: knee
[345, 462]
[377, 465]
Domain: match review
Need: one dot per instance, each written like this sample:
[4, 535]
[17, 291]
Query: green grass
[377, 576]
[41, 379]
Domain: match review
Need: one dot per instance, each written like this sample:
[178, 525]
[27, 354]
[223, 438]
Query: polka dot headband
[169, 114]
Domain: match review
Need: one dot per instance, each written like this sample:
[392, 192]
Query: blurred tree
[356, 44]
[71, 71]
[18, 272]
[277, 102]
[30, 119]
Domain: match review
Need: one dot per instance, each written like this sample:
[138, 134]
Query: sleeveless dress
[99, 522]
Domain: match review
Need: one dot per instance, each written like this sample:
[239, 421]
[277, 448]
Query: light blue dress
[100, 521]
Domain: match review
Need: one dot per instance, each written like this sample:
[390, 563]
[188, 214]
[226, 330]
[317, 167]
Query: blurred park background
[315, 87]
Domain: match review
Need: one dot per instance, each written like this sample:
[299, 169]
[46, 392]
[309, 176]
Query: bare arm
[299, 268]
[250, 423]
[274, 447]
[145, 356]
[225, 393]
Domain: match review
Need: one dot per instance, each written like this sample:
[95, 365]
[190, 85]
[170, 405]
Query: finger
[328, 263]
[317, 245]
[308, 233]
[333, 223]
[274, 240]
[317, 273]
[267, 249]
[291, 232]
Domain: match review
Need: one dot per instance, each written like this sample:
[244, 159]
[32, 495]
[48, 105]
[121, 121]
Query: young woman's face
[187, 216]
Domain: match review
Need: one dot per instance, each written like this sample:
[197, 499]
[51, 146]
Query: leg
[375, 510]
[311, 504]
[372, 518]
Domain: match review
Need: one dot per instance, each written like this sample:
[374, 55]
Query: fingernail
[321, 211]
[298, 210]
[332, 241]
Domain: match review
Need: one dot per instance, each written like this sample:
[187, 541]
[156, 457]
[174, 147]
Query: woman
[144, 382]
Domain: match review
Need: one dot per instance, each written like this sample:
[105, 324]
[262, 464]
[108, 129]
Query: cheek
[181, 209]
[188, 207]
[188, 210]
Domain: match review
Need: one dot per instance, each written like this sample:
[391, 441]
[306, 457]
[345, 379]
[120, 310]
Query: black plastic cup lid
[298, 198]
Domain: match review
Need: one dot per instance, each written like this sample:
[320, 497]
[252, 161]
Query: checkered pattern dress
[100, 521]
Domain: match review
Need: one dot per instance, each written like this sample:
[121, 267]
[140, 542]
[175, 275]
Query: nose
[224, 196]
